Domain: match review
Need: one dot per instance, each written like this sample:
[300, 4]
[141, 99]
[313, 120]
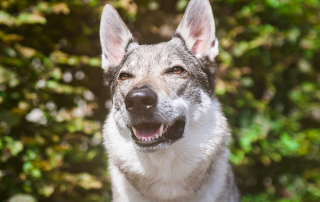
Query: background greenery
[53, 100]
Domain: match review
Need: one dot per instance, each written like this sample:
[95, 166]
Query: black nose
[140, 100]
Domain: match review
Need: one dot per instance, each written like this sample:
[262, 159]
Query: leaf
[247, 82]
[84, 180]
[60, 8]
[304, 66]
[181, 5]
[47, 190]
[25, 51]
[289, 143]
[36, 116]
[6, 19]
[22, 198]
[15, 147]
[31, 18]
[240, 48]
[8, 77]
[94, 62]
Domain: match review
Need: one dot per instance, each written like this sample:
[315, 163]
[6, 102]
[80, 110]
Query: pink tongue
[147, 132]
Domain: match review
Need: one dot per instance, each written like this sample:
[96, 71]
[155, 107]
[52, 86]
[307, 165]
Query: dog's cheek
[190, 92]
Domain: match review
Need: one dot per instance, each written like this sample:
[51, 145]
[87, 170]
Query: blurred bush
[53, 100]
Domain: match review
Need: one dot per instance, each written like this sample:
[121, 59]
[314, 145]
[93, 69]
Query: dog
[166, 136]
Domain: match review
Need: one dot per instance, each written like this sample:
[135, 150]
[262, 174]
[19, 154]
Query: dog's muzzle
[141, 101]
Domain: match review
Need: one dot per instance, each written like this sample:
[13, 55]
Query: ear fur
[197, 29]
[115, 38]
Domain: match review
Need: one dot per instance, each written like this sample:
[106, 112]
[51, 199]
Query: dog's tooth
[135, 132]
[157, 136]
[161, 130]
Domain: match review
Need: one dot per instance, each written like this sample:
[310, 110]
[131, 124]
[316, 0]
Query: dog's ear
[197, 29]
[115, 38]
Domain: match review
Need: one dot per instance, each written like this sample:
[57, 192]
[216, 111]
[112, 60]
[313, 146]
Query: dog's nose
[140, 100]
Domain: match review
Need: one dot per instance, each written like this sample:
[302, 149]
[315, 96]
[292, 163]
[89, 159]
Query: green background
[53, 99]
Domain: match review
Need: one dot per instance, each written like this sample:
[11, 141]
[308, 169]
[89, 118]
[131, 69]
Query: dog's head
[159, 90]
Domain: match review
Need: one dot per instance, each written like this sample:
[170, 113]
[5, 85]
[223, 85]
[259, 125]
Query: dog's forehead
[152, 56]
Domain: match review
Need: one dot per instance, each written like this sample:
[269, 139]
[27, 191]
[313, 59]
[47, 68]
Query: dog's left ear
[197, 29]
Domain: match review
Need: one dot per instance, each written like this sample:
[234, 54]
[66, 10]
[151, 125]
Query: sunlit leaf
[31, 18]
[22, 198]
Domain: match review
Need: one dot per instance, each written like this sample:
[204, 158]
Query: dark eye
[177, 70]
[124, 76]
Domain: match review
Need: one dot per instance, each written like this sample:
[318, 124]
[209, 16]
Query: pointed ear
[115, 38]
[197, 29]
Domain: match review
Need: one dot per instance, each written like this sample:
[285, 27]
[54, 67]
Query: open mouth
[150, 134]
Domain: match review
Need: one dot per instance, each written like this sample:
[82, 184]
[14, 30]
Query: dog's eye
[124, 76]
[177, 70]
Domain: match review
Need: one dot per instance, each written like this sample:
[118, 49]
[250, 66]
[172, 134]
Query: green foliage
[53, 101]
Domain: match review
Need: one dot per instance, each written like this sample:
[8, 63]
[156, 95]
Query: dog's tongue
[147, 133]
[147, 130]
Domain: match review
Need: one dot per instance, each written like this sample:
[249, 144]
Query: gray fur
[195, 167]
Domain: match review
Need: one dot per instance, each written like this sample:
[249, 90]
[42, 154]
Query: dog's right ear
[115, 38]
